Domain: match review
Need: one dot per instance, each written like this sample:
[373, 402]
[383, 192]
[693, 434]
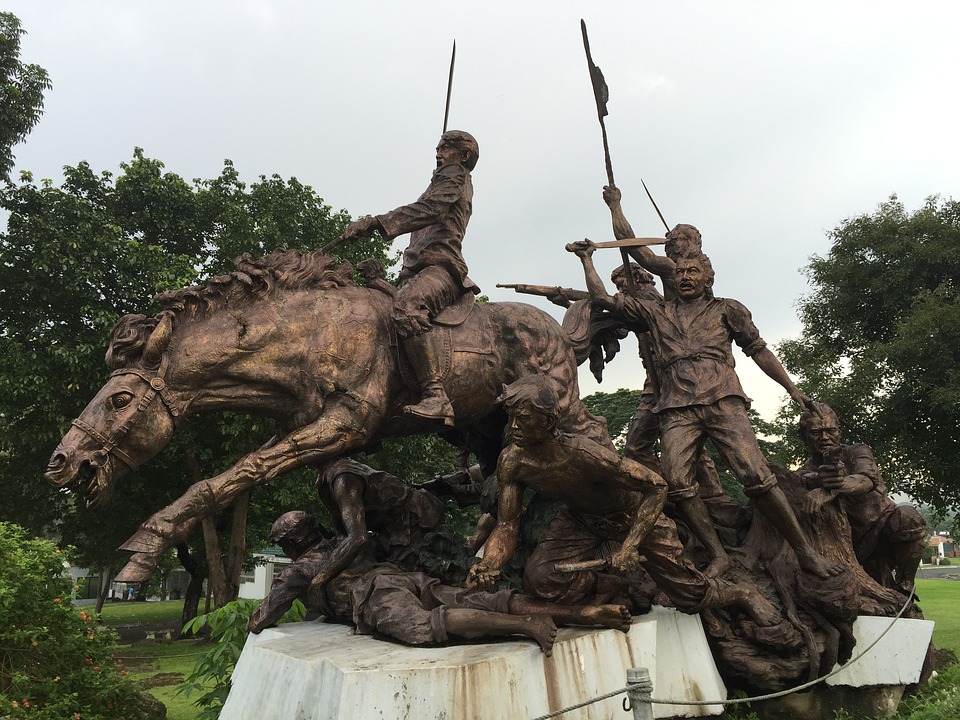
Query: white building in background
[256, 583]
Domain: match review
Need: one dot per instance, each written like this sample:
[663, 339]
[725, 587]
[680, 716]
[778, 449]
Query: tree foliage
[77, 257]
[21, 91]
[881, 341]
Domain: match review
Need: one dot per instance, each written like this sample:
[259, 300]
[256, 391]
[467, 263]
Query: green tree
[77, 257]
[21, 91]
[881, 342]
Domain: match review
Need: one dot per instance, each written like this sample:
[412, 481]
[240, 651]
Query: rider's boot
[434, 403]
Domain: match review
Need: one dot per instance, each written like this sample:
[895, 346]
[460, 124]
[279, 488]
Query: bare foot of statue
[758, 607]
[616, 617]
[818, 565]
[542, 629]
[718, 566]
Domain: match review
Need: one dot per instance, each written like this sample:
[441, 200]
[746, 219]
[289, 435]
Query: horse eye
[121, 400]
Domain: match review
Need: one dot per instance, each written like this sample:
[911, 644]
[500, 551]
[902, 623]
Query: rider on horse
[434, 274]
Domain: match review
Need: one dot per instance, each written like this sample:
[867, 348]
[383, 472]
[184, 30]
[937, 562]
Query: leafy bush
[55, 662]
[228, 629]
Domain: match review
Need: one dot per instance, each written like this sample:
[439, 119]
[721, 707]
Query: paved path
[939, 572]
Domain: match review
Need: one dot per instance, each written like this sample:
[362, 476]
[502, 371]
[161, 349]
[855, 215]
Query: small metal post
[639, 690]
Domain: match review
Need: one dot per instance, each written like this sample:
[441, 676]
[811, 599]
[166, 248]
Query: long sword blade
[446, 110]
[655, 205]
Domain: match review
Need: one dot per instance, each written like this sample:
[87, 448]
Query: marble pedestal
[316, 671]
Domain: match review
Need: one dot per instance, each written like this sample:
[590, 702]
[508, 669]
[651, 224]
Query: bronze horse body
[292, 338]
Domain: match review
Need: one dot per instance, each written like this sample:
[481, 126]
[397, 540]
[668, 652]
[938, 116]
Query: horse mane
[254, 278]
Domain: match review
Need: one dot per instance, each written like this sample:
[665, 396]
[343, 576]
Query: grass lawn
[128, 613]
[940, 602]
[161, 667]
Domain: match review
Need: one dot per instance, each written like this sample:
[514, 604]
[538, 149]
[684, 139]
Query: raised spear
[601, 94]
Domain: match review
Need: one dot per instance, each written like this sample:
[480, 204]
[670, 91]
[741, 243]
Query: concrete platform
[315, 671]
[896, 660]
[871, 686]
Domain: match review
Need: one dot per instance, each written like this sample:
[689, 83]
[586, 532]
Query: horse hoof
[137, 570]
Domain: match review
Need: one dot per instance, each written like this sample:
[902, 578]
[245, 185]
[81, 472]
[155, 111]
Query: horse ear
[157, 344]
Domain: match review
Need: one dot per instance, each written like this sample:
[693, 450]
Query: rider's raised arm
[661, 266]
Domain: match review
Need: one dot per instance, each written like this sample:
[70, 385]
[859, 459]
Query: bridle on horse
[156, 387]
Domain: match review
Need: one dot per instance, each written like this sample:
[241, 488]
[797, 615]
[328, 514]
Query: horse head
[129, 421]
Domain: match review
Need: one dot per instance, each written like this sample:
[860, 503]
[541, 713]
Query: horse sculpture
[291, 337]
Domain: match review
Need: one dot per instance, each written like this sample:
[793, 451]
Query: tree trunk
[237, 553]
[195, 587]
[216, 573]
[223, 574]
[105, 577]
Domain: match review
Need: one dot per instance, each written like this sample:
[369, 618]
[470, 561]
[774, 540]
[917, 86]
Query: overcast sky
[762, 123]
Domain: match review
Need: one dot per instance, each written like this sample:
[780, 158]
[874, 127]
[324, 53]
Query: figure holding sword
[434, 273]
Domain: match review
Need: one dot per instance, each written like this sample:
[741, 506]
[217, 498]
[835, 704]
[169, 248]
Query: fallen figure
[411, 607]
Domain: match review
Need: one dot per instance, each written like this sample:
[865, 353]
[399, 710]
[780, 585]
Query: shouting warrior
[701, 397]
[434, 274]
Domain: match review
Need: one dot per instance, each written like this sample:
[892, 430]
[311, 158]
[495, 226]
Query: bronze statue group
[778, 583]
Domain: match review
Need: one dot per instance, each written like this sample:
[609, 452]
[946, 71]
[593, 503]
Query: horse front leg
[337, 432]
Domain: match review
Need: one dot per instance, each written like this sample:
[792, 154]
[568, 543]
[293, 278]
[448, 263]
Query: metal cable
[743, 701]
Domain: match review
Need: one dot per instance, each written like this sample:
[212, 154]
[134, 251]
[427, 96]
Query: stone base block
[870, 686]
[315, 671]
[896, 660]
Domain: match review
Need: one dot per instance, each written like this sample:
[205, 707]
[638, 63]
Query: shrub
[55, 662]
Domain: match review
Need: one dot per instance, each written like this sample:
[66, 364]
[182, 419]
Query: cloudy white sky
[764, 124]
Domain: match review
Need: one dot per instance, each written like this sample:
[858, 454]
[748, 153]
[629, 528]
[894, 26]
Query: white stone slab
[683, 666]
[896, 660]
[315, 671]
